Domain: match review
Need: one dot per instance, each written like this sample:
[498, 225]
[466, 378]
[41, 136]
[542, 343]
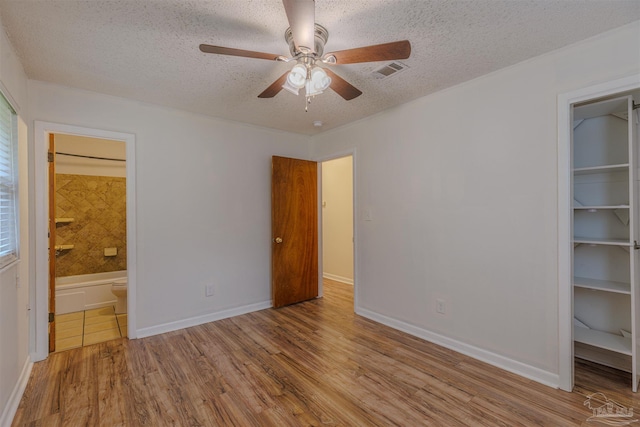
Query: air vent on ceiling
[389, 70]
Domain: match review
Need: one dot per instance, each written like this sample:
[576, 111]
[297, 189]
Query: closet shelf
[597, 207]
[64, 220]
[599, 169]
[604, 340]
[601, 241]
[602, 285]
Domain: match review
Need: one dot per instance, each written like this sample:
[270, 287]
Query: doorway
[87, 240]
[40, 297]
[337, 207]
[565, 209]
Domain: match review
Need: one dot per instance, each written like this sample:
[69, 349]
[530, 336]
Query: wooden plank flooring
[315, 363]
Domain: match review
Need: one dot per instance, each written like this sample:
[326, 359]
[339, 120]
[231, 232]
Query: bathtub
[86, 291]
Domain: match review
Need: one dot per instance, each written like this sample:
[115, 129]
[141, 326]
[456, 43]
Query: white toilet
[119, 289]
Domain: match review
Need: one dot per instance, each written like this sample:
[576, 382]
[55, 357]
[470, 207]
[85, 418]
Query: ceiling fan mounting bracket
[321, 35]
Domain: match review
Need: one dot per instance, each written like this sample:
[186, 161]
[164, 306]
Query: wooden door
[52, 245]
[294, 226]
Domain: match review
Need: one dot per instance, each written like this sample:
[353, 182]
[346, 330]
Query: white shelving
[64, 220]
[602, 285]
[600, 169]
[598, 207]
[605, 231]
[601, 241]
[604, 340]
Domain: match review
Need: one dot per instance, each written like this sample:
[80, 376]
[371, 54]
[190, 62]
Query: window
[8, 184]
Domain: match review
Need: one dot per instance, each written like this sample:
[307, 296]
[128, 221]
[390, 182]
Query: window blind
[8, 184]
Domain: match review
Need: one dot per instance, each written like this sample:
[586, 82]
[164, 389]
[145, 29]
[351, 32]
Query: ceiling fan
[306, 41]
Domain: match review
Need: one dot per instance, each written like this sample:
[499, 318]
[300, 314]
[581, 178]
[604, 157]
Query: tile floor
[89, 327]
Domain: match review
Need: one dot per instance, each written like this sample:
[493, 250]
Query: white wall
[203, 202]
[15, 280]
[462, 189]
[337, 219]
[95, 147]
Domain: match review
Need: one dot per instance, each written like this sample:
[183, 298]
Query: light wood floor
[314, 363]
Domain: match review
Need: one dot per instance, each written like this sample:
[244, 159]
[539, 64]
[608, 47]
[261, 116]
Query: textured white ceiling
[148, 49]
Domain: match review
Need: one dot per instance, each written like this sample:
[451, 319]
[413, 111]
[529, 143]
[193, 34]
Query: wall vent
[389, 70]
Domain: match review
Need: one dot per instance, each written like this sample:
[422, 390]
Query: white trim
[39, 306]
[4, 91]
[10, 265]
[199, 320]
[337, 278]
[319, 228]
[16, 394]
[565, 267]
[337, 155]
[531, 372]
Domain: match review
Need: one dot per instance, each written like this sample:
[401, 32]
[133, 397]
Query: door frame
[337, 155]
[565, 238]
[51, 181]
[39, 297]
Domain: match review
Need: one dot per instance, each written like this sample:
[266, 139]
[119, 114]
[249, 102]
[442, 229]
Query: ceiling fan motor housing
[321, 35]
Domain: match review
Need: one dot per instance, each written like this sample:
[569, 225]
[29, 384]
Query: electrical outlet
[441, 306]
[208, 290]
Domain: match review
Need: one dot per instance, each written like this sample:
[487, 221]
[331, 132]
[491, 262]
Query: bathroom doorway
[337, 222]
[39, 295]
[87, 240]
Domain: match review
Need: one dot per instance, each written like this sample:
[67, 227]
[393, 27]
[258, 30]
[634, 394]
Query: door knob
[278, 240]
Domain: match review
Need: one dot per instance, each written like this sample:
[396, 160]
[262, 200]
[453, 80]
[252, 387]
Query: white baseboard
[337, 278]
[11, 407]
[100, 305]
[536, 374]
[199, 320]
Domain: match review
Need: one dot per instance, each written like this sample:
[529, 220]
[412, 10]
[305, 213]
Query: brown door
[294, 224]
[52, 245]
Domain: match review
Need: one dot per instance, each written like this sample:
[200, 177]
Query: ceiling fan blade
[342, 87]
[302, 18]
[275, 87]
[379, 52]
[207, 48]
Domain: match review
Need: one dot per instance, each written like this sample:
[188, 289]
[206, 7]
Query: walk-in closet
[606, 288]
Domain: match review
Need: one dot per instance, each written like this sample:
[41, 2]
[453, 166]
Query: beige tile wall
[98, 206]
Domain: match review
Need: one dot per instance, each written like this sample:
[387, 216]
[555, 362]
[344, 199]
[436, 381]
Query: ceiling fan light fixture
[296, 79]
[290, 88]
[297, 76]
[318, 82]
